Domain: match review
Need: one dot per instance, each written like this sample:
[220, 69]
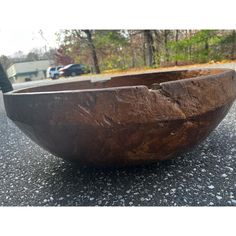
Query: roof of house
[28, 67]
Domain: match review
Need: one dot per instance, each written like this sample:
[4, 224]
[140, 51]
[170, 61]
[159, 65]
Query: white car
[53, 72]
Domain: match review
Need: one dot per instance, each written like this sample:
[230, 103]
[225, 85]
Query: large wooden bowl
[128, 120]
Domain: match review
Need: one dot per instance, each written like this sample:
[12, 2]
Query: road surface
[205, 176]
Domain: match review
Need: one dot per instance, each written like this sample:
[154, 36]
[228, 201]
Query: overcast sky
[13, 40]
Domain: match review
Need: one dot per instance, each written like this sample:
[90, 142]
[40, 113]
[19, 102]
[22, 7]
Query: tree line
[34, 55]
[122, 49]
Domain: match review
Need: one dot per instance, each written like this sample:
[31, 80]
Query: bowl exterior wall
[127, 125]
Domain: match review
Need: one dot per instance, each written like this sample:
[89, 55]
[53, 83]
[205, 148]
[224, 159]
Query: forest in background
[123, 49]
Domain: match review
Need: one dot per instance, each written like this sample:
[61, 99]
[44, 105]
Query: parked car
[53, 72]
[73, 70]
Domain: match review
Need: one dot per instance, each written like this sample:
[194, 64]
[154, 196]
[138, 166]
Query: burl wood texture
[128, 120]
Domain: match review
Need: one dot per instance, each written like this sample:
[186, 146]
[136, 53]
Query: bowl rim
[17, 92]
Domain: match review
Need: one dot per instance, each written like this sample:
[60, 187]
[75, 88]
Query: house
[28, 71]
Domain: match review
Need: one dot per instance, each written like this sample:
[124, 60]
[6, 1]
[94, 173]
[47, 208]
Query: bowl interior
[147, 79]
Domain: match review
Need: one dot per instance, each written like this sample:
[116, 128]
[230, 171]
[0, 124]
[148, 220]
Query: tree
[32, 56]
[120, 49]
[93, 50]
[112, 48]
[50, 54]
[233, 47]
[100, 49]
[176, 41]
[61, 57]
[166, 35]
[149, 47]
[19, 54]
[76, 43]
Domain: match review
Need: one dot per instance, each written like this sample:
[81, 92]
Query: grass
[146, 69]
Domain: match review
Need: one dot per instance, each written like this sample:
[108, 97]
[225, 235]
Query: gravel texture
[205, 176]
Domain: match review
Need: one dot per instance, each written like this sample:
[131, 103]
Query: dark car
[73, 70]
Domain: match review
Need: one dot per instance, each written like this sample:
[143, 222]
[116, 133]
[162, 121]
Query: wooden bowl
[127, 120]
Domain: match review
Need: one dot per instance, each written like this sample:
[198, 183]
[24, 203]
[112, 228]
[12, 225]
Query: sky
[14, 40]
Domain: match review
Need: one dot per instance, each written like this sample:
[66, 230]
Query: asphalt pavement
[204, 176]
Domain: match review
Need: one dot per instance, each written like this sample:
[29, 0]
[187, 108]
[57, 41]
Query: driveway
[205, 176]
